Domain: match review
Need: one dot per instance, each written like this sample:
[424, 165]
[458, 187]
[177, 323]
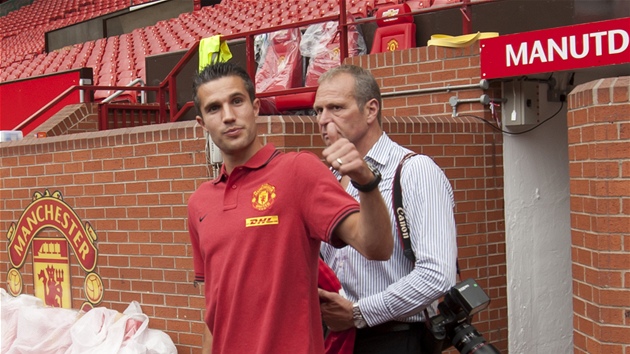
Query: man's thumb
[332, 132]
[324, 296]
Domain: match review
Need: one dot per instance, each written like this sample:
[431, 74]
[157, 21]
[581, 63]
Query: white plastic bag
[105, 331]
[29, 327]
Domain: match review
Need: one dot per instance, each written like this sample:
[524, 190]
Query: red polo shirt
[255, 238]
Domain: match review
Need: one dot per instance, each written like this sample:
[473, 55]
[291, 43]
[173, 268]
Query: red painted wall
[17, 106]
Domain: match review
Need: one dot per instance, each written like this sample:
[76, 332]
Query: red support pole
[172, 90]
[343, 27]
[102, 117]
[162, 102]
[466, 17]
[251, 59]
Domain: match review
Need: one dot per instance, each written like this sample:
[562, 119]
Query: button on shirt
[397, 289]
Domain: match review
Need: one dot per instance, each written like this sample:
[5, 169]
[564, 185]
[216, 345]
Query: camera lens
[468, 341]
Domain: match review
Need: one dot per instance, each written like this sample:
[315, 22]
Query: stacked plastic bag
[28, 326]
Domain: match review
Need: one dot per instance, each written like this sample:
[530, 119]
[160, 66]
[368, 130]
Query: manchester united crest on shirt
[264, 197]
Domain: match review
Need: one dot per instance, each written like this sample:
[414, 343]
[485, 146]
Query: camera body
[452, 326]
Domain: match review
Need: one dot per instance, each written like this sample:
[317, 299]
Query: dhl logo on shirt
[262, 221]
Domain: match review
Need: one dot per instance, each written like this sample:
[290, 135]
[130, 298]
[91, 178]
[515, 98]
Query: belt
[387, 327]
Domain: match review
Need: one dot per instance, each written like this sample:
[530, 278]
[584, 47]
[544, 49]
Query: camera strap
[402, 225]
[430, 344]
[399, 211]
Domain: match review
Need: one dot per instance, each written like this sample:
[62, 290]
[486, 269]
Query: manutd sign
[563, 48]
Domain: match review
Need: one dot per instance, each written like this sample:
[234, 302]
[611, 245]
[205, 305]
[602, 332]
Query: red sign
[48, 210]
[563, 48]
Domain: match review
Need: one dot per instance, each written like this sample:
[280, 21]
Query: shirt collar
[261, 158]
[380, 152]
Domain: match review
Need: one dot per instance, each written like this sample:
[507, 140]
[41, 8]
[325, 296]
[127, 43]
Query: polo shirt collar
[261, 158]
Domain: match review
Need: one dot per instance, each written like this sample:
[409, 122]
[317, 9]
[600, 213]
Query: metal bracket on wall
[483, 84]
[454, 101]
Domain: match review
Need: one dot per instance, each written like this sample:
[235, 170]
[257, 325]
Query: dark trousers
[389, 338]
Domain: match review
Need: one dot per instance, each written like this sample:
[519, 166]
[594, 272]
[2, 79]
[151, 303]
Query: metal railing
[87, 91]
[143, 94]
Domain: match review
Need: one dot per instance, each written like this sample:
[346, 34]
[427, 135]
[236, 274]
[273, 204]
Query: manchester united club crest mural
[51, 255]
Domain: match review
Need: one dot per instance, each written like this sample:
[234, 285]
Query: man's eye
[238, 100]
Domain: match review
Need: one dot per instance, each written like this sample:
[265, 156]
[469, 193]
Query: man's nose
[228, 114]
[323, 118]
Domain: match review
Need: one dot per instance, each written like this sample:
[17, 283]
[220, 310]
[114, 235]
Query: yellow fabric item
[444, 40]
[211, 50]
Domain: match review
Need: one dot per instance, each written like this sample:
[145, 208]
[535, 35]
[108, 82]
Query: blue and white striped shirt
[397, 290]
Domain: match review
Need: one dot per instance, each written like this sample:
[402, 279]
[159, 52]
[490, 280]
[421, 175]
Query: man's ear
[371, 109]
[200, 122]
[256, 105]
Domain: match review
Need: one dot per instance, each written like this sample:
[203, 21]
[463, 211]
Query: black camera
[452, 326]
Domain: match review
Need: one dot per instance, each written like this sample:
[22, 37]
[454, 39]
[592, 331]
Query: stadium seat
[321, 44]
[295, 102]
[281, 67]
[361, 8]
[381, 3]
[187, 39]
[419, 4]
[104, 80]
[394, 33]
[123, 79]
[437, 3]
[81, 59]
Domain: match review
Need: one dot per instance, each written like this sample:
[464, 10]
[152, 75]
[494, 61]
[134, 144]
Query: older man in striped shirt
[385, 300]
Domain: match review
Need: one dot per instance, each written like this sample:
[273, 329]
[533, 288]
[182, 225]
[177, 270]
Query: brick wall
[132, 185]
[72, 119]
[599, 165]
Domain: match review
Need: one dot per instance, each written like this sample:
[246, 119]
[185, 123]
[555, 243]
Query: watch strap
[370, 186]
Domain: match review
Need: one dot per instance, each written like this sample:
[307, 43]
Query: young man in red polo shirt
[256, 229]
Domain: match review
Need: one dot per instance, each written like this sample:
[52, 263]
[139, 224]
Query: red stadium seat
[394, 33]
[437, 3]
[282, 65]
[419, 4]
[296, 101]
[359, 10]
[381, 3]
[323, 48]
[104, 80]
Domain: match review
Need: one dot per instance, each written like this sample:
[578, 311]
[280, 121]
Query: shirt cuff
[375, 310]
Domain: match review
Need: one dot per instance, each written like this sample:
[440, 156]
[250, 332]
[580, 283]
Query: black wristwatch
[370, 186]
